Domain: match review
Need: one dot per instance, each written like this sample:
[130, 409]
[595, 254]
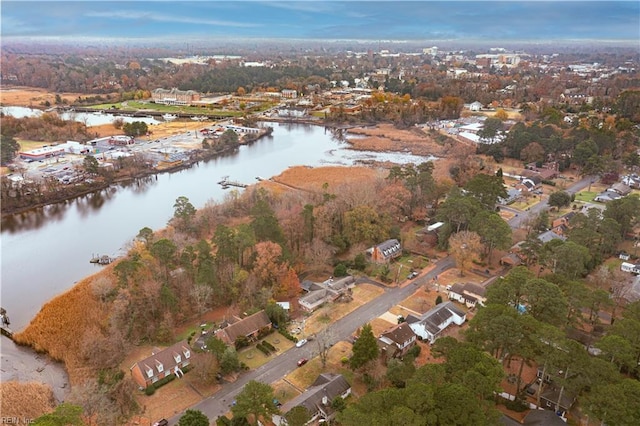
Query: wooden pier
[4, 324]
[226, 183]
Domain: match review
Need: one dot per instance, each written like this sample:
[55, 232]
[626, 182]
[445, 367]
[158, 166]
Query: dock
[226, 183]
[4, 324]
[101, 260]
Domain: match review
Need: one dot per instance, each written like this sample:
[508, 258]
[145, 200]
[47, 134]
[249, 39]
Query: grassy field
[254, 358]
[333, 311]
[586, 196]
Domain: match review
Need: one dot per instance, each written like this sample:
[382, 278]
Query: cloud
[159, 17]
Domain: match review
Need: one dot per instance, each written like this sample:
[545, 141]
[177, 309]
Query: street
[277, 368]
[220, 403]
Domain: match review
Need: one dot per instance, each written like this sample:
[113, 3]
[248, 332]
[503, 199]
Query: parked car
[302, 361]
[412, 275]
[162, 422]
[301, 343]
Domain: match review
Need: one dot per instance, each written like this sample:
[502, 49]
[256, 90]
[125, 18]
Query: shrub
[263, 349]
[516, 405]
[164, 381]
[344, 360]
[269, 346]
[287, 335]
[150, 390]
[340, 270]
[414, 351]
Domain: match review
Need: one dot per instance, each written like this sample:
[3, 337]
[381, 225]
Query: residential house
[561, 225]
[320, 293]
[529, 184]
[396, 342]
[430, 325]
[624, 256]
[475, 106]
[511, 259]
[161, 363]
[632, 181]
[318, 397]
[512, 196]
[248, 327]
[469, 294]
[630, 267]
[547, 236]
[429, 234]
[620, 188]
[552, 398]
[606, 196]
[385, 251]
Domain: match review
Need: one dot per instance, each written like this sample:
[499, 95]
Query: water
[47, 250]
[89, 119]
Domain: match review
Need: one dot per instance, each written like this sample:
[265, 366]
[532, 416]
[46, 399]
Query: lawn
[330, 312]
[586, 196]
[254, 358]
[135, 105]
[303, 377]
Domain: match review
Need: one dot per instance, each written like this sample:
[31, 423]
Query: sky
[324, 20]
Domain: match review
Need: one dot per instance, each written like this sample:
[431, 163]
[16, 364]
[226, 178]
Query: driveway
[220, 403]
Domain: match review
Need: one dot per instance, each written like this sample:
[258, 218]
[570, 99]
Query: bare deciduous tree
[465, 247]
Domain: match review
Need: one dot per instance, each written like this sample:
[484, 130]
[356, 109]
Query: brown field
[33, 97]
[25, 400]
[62, 326]
[313, 178]
[386, 137]
[302, 377]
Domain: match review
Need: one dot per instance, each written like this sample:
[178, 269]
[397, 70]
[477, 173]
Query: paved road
[517, 221]
[220, 403]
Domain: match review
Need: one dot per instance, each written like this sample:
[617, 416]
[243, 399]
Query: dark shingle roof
[400, 334]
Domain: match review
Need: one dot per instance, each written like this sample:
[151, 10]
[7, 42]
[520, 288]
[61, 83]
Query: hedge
[287, 335]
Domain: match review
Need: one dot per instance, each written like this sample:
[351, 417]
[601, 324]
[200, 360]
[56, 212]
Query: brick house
[385, 251]
[161, 363]
[248, 327]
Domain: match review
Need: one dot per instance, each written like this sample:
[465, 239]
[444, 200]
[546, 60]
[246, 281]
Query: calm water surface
[45, 251]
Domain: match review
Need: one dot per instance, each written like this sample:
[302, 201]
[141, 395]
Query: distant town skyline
[321, 20]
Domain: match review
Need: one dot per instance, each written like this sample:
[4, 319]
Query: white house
[432, 323]
[475, 106]
[468, 294]
[630, 267]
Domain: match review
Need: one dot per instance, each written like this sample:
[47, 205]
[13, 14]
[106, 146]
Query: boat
[198, 118]
[169, 117]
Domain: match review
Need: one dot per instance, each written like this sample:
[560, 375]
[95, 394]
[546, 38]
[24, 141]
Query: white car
[301, 343]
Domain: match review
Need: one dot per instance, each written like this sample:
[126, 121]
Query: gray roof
[439, 314]
[547, 236]
[326, 385]
[389, 248]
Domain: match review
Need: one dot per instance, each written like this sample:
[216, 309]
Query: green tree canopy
[559, 199]
[9, 147]
[193, 418]
[255, 401]
[65, 414]
[298, 416]
[487, 189]
[365, 349]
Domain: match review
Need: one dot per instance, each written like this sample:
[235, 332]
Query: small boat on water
[169, 117]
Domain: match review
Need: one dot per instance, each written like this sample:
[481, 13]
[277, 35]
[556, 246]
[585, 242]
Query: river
[46, 250]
